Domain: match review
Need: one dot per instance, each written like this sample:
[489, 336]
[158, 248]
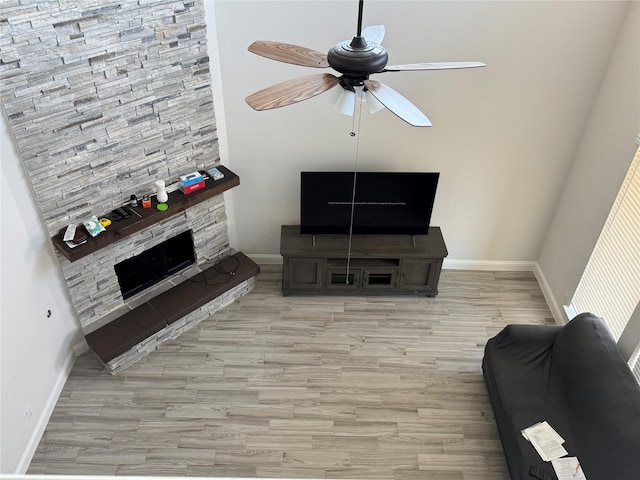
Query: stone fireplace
[92, 280]
[104, 98]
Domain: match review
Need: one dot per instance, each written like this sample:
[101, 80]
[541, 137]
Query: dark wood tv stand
[380, 264]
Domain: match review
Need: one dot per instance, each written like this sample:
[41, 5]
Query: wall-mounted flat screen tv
[385, 202]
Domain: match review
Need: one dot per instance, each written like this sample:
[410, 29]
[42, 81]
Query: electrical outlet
[28, 412]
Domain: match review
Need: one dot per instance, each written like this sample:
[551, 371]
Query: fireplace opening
[155, 264]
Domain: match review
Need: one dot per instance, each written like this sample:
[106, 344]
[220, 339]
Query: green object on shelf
[162, 206]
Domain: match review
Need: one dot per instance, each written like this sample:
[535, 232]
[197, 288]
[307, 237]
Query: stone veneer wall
[104, 97]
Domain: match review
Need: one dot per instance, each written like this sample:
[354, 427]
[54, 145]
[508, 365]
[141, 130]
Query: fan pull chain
[355, 172]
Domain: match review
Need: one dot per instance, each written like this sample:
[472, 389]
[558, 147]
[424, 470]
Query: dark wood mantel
[146, 217]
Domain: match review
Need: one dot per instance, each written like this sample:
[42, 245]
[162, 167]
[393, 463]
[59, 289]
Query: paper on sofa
[546, 441]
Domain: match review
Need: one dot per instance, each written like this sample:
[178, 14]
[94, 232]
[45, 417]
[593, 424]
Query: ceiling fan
[355, 60]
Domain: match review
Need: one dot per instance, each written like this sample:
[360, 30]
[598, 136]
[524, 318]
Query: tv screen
[385, 202]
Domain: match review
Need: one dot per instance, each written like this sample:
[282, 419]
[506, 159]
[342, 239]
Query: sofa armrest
[600, 398]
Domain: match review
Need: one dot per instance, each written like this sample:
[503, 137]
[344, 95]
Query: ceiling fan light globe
[335, 94]
[347, 102]
[372, 102]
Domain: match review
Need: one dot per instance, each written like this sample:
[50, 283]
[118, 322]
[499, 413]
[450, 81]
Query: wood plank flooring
[386, 388]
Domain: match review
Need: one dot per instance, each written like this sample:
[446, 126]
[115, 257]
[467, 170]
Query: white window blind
[610, 284]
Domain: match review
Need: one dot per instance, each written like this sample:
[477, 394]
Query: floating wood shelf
[146, 217]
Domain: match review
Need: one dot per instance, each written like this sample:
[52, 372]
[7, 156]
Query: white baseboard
[266, 258]
[557, 310]
[80, 347]
[43, 420]
[498, 266]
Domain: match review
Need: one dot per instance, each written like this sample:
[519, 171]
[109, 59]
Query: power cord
[218, 270]
[236, 264]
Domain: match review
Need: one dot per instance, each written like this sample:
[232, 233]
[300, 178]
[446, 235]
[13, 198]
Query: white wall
[602, 160]
[36, 350]
[503, 137]
[218, 101]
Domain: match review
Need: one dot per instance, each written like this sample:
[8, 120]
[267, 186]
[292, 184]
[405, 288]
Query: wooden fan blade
[292, 91]
[288, 53]
[433, 66]
[398, 105]
[374, 33]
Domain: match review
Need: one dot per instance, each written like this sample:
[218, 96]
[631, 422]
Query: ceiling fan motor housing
[358, 58]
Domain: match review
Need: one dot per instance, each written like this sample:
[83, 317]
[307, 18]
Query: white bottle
[161, 192]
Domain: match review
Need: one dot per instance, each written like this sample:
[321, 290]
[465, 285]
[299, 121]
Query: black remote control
[120, 213]
[540, 474]
[124, 212]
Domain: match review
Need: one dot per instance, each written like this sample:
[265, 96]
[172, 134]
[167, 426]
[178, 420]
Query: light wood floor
[303, 387]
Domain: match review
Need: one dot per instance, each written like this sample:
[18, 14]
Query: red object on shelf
[191, 188]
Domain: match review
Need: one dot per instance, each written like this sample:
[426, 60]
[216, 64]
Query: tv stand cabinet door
[336, 279]
[380, 279]
[420, 275]
[301, 274]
